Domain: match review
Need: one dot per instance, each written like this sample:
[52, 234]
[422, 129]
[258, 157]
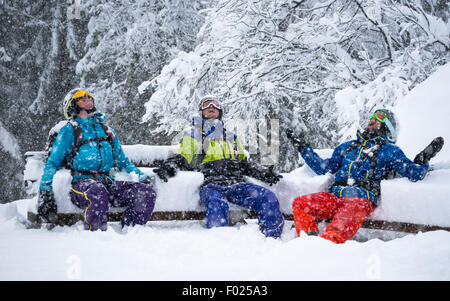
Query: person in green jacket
[209, 148]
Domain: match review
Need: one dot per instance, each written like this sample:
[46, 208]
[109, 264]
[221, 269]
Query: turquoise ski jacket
[91, 157]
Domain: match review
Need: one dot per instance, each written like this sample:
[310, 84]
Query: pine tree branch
[380, 29]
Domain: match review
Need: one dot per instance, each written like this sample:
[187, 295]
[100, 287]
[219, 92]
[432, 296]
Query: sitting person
[208, 148]
[93, 150]
[359, 166]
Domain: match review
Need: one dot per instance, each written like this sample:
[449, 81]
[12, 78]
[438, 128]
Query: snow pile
[187, 251]
[147, 154]
[424, 202]
[424, 115]
[33, 171]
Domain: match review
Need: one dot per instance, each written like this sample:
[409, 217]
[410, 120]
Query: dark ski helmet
[389, 124]
[70, 108]
[206, 98]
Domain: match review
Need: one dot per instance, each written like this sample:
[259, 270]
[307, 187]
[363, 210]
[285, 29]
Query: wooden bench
[69, 219]
[236, 216]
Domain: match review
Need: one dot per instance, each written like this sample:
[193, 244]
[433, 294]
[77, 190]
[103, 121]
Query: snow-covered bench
[405, 206]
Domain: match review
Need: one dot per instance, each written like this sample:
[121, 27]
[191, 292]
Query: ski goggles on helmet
[379, 115]
[382, 117]
[80, 94]
[212, 102]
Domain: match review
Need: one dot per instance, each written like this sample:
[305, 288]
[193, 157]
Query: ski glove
[47, 209]
[430, 151]
[147, 179]
[271, 177]
[165, 172]
[169, 167]
[297, 140]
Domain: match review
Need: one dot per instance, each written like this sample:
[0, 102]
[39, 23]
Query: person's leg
[139, 199]
[216, 207]
[92, 197]
[263, 201]
[307, 208]
[348, 219]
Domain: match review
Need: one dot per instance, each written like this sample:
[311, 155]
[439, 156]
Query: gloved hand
[147, 179]
[271, 177]
[430, 151]
[165, 172]
[297, 140]
[47, 209]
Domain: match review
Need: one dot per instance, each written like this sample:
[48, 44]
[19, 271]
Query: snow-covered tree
[286, 60]
[35, 72]
[127, 42]
[49, 47]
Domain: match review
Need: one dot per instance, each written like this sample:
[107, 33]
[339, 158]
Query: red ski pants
[347, 213]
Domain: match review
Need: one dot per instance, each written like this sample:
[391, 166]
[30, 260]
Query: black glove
[47, 209]
[297, 140]
[430, 151]
[165, 172]
[271, 177]
[262, 173]
[147, 179]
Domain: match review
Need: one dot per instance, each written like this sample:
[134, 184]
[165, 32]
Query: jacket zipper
[98, 144]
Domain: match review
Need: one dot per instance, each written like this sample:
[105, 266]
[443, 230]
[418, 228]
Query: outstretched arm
[322, 166]
[318, 165]
[399, 162]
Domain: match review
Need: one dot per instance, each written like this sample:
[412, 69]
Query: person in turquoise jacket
[358, 166]
[92, 150]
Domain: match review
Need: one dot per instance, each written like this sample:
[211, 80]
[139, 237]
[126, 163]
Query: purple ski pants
[95, 198]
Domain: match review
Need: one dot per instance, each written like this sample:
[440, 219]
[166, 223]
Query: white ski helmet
[70, 109]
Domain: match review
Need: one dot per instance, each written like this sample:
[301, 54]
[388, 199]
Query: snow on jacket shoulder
[92, 156]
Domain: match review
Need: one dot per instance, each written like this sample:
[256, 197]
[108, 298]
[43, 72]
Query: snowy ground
[188, 251]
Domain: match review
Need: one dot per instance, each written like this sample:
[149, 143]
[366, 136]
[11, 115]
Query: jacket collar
[212, 129]
[372, 139]
[98, 118]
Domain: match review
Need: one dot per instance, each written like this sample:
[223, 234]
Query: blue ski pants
[247, 195]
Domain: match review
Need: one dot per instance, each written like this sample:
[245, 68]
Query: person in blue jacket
[93, 150]
[358, 166]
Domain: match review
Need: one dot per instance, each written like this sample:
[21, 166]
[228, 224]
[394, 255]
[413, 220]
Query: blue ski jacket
[92, 156]
[352, 167]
